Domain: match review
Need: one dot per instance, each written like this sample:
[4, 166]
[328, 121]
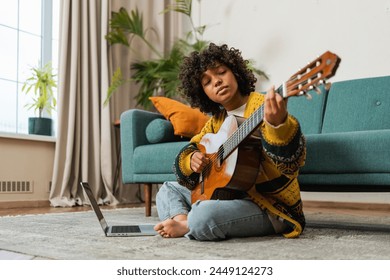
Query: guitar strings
[229, 144]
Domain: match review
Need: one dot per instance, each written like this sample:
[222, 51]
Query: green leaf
[180, 6]
[117, 37]
[256, 70]
[201, 29]
[116, 81]
[123, 25]
[132, 24]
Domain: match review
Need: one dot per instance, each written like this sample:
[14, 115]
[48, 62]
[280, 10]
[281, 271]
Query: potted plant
[41, 83]
[155, 76]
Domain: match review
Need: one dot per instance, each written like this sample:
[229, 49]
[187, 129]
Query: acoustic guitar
[235, 151]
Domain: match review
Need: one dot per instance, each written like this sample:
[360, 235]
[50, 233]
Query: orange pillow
[186, 121]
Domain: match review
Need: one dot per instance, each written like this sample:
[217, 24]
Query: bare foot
[172, 228]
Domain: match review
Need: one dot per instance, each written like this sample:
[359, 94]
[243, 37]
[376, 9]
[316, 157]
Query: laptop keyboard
[122, 229]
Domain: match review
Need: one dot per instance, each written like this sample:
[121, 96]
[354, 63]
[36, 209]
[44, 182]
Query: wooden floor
[347, 208]
[361, 209]
[48, 209]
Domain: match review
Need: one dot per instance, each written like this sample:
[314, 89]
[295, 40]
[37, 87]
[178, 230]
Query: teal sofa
[348, 136]
[347, 131]
[148, 150]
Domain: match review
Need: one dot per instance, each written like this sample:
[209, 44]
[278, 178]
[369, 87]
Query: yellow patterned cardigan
[284, 152]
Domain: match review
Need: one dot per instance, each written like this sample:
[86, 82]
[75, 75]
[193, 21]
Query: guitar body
[237, 172]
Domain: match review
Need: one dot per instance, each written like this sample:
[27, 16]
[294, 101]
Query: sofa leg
[148, 199]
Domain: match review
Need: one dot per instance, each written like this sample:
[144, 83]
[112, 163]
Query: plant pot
[40, 126]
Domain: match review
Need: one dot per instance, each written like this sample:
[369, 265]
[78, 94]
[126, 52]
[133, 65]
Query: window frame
[46, 55]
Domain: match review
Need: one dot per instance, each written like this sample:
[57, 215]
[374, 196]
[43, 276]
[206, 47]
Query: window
[29, 31]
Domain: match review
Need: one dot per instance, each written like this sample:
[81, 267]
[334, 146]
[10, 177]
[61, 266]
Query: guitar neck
[246, 128]
[298, 84]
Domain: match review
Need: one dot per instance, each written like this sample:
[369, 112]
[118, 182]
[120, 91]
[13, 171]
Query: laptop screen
[94, 205]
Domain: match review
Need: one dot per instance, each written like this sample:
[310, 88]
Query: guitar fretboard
[305, 79]
[244, 130]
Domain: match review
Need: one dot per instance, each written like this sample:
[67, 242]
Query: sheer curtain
[86, 143]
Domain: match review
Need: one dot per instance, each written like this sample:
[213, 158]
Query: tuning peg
[317, 90]
[327, 86]
[308, 96]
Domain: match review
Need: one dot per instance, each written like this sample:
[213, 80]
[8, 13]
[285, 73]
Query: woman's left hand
[275, 108]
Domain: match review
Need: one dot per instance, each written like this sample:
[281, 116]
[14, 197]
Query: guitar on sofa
[231, 151]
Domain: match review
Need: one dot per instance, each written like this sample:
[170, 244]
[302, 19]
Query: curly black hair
[197, 63]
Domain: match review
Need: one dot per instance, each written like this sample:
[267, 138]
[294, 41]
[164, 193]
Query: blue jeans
[213, 219]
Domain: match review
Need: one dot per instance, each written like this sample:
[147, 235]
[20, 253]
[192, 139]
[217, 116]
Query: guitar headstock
[312, 75]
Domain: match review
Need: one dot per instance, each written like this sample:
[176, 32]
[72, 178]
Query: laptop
[125, 230]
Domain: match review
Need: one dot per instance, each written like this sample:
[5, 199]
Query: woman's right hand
[198, 162]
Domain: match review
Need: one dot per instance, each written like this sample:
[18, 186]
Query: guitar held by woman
[238, 176]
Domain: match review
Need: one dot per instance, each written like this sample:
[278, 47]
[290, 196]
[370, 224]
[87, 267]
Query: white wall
[283, 35]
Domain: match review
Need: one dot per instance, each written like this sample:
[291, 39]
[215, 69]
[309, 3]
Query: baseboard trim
[347, 205]
[24, 204]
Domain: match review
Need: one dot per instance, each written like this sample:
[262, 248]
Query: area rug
[78, 236]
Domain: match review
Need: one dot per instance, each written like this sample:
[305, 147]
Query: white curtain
[86, 148]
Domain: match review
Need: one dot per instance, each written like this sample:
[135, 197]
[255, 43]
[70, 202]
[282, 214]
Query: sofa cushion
[159, 131]
[348, 152]
[156, 158]
[186, 121]
[358, 105]
[309, 112]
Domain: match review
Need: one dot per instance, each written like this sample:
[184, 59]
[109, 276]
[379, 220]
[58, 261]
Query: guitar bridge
[201, 181]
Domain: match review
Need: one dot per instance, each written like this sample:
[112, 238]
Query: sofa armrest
[132, 132]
